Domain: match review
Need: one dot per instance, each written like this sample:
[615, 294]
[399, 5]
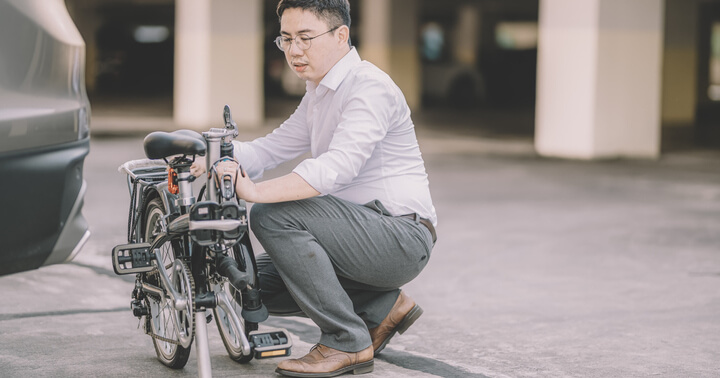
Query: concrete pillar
[599, 76]
[375, 32]
[466, 36]
[218, 61]
[388, 37]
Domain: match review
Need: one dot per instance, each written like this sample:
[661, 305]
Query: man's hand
[244, 187]
[198, 167]
[286, 188]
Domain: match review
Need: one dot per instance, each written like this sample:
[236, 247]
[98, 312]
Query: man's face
[311, 64]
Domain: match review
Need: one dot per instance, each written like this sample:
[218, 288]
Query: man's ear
[343, 34]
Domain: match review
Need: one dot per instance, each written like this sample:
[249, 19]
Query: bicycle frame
[203, 232]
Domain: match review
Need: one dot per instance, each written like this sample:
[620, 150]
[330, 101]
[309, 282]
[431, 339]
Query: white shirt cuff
[319, 176]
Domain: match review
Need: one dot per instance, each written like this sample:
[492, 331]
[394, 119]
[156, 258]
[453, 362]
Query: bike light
[173, 181]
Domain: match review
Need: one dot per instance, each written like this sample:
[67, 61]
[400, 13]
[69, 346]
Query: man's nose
[294, 49]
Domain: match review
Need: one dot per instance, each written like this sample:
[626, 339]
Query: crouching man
[353, 223]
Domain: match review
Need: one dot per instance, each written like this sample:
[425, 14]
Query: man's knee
[275, 216]
[261, 217]
[269, 221]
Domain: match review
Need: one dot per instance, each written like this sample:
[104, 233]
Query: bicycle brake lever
[229, 122]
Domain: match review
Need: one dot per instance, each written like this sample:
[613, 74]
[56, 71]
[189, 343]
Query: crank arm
[224, 303]
[178, 300]
[147, 288]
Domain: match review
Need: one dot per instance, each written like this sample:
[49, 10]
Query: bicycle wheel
[229, 307]
[173, 328]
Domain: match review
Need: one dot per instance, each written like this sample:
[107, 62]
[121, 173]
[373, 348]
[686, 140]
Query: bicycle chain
[158, 337]
[149, 332]
[148, 326]
[216, 279]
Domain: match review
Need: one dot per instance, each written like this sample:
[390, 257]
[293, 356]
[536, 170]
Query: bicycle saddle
[159, 144]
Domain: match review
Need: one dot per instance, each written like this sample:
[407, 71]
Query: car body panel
[44, 135]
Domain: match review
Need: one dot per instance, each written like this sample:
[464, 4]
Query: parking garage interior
[478, 63]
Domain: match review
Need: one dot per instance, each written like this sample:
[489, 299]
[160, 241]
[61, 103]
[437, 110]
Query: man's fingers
[198, 167]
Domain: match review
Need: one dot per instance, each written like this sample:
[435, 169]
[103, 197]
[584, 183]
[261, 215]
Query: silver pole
[185, 190]
[201, 345]
[213, 155]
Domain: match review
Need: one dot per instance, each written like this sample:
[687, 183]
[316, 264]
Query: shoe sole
[361, 368]
[404, 324]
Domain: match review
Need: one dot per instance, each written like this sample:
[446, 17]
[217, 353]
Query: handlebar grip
[228, 267]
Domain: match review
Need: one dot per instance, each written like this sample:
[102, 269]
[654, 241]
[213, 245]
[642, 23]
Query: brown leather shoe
[323, 361]
[403, 314]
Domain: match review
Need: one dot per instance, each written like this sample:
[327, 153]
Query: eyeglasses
[302, 41]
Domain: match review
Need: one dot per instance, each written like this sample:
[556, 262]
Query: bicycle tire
[161, 316]
[227, 330]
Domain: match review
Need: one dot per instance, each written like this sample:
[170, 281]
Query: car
[44, 135]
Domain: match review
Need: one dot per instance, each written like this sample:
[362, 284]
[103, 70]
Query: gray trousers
[336, 262]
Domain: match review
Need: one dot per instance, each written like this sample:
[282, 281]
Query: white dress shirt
[356, 124]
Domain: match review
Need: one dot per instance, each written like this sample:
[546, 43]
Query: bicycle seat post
[186, 197]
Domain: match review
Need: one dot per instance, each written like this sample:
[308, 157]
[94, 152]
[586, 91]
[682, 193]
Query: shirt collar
[338, 72]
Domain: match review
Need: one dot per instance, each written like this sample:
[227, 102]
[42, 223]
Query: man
[351, 225]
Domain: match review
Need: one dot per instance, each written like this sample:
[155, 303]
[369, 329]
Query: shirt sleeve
[286, 142]
[363, 123]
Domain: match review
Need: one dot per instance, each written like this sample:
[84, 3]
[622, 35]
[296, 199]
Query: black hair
[334, 12]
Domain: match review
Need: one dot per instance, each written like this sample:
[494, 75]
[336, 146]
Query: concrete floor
[543, 268]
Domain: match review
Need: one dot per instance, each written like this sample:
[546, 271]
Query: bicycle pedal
[272, 343]
[132, 258]
[208, 318]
